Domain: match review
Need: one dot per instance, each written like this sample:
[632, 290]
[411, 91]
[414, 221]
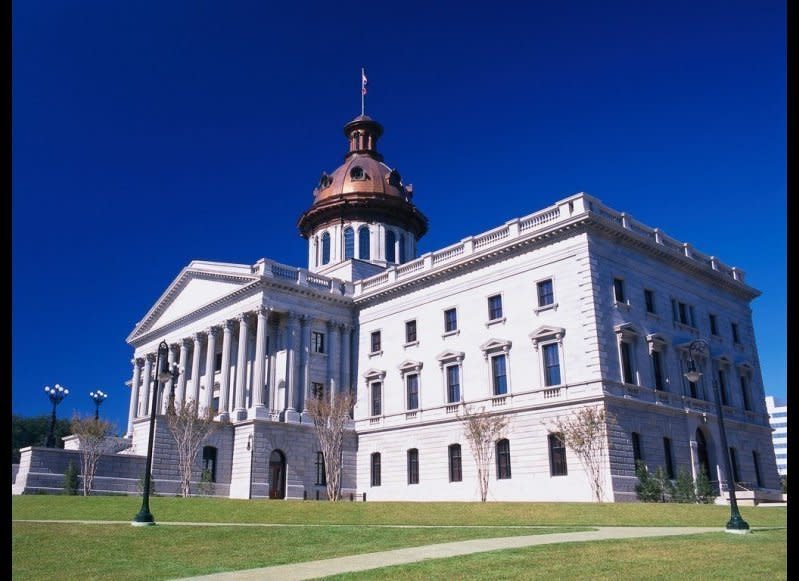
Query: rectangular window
[377, 398]
[412, 385]
[503, 460]
[723, 387]
[668, 458]
[618, 290]
[683, 313]
[734, 463]
[551, 364]
[745, 393]
[317, 390]
[321, 478]
[735, 337]
[649, 301]
[657, 369]
[218, 361]
[376, 469]
[546, 295]
[674, 315]
[450, 320]
[557, 455]
[626, 363]
[375, 341]
[691, 317]
[209, 462]
[637, 457]
[494, 307]
[455, 473]
[318, 341]
[756, 464]
[410, 331]
[413, 466]
[498, 372]
[453, 384]
[714, 330]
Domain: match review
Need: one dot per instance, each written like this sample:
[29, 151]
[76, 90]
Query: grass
[120, 551]
[760, 555]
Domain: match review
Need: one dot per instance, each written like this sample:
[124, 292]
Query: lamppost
[736, 523]
[162, 373]
[97, 397]
[56, 395]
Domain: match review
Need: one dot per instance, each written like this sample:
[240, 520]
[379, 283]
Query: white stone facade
[778, 418]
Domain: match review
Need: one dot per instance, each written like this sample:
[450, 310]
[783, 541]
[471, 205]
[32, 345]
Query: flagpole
[363, 95]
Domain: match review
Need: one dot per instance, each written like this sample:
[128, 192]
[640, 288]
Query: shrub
[71, 480]
[684, 488]
[206, 484]
[140, 485]
[654, 487]
[705, 493]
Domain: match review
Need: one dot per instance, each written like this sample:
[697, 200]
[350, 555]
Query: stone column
[210, 358]
[291, 414]
[170, 384]
[305, 360]
[346, 358]
[146, 385]
[184, 360]
[333, 367]
[274, 334]
[258, 409]
[241, 368]
[134, 396]
[194, 394]
[224, 372]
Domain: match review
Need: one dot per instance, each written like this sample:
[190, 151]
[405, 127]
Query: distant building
[573, 305]
[778, 418]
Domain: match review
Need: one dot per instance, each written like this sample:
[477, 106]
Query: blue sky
[148, 134]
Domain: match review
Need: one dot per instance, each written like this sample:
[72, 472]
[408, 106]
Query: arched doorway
[277, 474]
[702, 454]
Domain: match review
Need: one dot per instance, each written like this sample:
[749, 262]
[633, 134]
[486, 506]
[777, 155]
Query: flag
[363, 82]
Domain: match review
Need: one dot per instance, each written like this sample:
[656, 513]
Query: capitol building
[576, 304]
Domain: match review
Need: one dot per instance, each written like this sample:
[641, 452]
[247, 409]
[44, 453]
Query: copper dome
[363, 187]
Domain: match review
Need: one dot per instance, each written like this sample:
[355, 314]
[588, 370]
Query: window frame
[638, 454]
[649, 301]
[558, 463]
[619, 292]
[375, 476]
[455, 470]
[376, 397]
[412, 456]
[495, 310]
[349, 242]
[321, 473]
[411, 337]
[375, 342]
[539, 285]
[450, 322]
[668, 458]
[408, 376]
[503, 459]
[318, 341]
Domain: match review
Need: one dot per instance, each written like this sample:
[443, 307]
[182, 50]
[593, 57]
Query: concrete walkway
[366, 561]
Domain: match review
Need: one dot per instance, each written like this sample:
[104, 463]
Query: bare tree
[93, 440]
[330, 416]
[482, 430]
[584, 432]
[189, 430]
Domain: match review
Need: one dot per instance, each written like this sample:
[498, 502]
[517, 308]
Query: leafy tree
[784, 483]
[684, 490]
[189, 430]
[585, 433]
[705, 493]
[482, 430]
[71, 480]
[331, 416]
[653, 487]
[32, 431]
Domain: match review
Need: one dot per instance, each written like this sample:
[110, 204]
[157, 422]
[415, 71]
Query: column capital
[304, 318]
[227, 325]
[262, 311]
[212, 331]
[150, 357]
[243, 318]
[137, 361]
[330, 324]
[173, 346]
[198, 338]
[185, 342]
[292, 316]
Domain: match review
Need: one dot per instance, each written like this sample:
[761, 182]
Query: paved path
[366, 561]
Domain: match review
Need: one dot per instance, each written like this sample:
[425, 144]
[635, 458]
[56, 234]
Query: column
[332, 358]
[184, 360]
[274, 336]
[134, 396]
[258, 409]
[305, 360]
[146, 385]
[194, 394]
[224, 372]
[291, 414]
[210, 358]
[346, 358]
[170, 384]
[241, 368]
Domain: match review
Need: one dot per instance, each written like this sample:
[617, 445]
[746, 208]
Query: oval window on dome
[324, 181]
[357, 173]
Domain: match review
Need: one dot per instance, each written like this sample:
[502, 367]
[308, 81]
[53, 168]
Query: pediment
[450, 356]
[495, 345]
[546, 332]
[409, 365]
[194, 289]
[374, 374]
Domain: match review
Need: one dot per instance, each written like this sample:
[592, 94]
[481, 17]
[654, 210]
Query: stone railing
[561, 212]
[302, 277]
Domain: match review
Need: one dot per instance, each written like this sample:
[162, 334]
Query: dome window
[394, 179]
[357, 174]
[324, 181]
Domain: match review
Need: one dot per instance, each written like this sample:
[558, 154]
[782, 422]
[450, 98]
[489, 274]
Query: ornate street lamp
[56, 394]
[162, 374]
[97, 397]
[736, 523]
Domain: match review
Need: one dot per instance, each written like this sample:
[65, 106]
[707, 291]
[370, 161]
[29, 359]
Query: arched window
[402, 257]
[503, 459]
[349, 243]
[357, 173]
[325, 248]
[363, 242]
[391, 240]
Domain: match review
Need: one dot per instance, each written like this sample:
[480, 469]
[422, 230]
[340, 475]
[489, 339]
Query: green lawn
[120, 551]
